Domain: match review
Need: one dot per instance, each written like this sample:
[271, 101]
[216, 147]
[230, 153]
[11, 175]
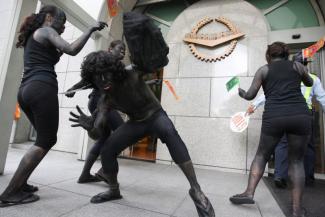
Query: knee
[166, 132]
[46, 142]
[261, 157]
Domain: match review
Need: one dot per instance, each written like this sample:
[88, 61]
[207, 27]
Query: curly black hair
[100, 62]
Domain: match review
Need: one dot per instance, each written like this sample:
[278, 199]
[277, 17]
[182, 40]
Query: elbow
[309, 83]
[250, 96]
[70, 51]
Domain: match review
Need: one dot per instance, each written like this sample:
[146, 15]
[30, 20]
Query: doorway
[145, 149]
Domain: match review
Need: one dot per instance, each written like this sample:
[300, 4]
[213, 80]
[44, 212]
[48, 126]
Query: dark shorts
[296, 124]
[39, 101]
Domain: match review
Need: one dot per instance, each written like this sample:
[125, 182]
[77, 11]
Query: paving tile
[112, 210]
[222, 208]
[148, 189]
[52, 203]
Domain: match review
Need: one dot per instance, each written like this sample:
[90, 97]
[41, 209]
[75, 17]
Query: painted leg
[264, 151]
[85, 176]
[113, 192]
[297, 146]
[14, 193]
[202, 203]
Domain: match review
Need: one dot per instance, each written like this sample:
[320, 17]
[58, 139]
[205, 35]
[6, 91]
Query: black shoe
[239, 199]
[280, 183]
[111, 194]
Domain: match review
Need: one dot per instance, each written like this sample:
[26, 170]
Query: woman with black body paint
[125, 90]
[114, 119]
[39, 35]
[285, 111]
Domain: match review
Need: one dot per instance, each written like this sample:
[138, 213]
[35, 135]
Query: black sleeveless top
[282, 91]
[39, 62]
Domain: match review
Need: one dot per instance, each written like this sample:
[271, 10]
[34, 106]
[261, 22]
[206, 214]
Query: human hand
[70, 94]
[81, 120]
[241, 92]
[250, 109]
[99, 26]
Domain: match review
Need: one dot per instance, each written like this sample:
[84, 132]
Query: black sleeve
[260, 75]
[303, 71]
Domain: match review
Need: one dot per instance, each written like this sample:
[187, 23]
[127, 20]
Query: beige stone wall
[203, 113]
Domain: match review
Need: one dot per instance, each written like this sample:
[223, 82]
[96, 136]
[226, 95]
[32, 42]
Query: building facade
[204, 108]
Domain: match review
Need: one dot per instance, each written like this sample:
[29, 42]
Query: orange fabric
[171, 89]
[17, 113]
[311, 50]
[112, 7]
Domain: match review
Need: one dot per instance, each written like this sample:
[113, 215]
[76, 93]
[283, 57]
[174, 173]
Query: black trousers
[39, 101]
[114, 120]
[158, 125]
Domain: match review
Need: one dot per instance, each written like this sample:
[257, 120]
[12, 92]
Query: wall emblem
[211, 40]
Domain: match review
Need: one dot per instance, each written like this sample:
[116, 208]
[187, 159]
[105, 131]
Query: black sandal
[29, 188]
[106, 196]
[241, 199]
[88, 179]
[203, 207]
[26, 198]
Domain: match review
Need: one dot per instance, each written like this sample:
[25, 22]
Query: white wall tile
[211, 142]
[75, 61]
[68, 137]
[194, 97]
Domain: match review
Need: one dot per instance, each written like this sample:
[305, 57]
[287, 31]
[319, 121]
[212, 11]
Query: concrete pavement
[148, 189]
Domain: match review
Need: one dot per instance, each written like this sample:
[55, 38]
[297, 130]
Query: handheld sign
[311, 50]
[239, 122]
[112, 7]
[232, 83]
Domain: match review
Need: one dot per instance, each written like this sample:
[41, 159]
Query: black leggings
[39, 101]
[114, 120]
[298, 131]
[158, 125]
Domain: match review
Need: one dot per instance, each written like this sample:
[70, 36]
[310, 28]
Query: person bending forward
[125, 90]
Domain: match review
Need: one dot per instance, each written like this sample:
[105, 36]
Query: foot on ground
[242, 199]
[88, 178]
[106, 196]
[202, 203]
[17, 199]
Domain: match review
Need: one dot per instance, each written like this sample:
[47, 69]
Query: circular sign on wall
[212, 40]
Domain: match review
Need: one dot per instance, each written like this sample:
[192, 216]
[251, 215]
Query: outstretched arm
[256, 84]
[48, 35]
[81, 84]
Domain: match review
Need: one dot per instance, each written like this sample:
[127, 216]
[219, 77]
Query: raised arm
[81, 84]
[48, 35]
[256, 84]
[303, 71]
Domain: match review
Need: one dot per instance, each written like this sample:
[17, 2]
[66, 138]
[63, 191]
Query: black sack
[146, 44]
